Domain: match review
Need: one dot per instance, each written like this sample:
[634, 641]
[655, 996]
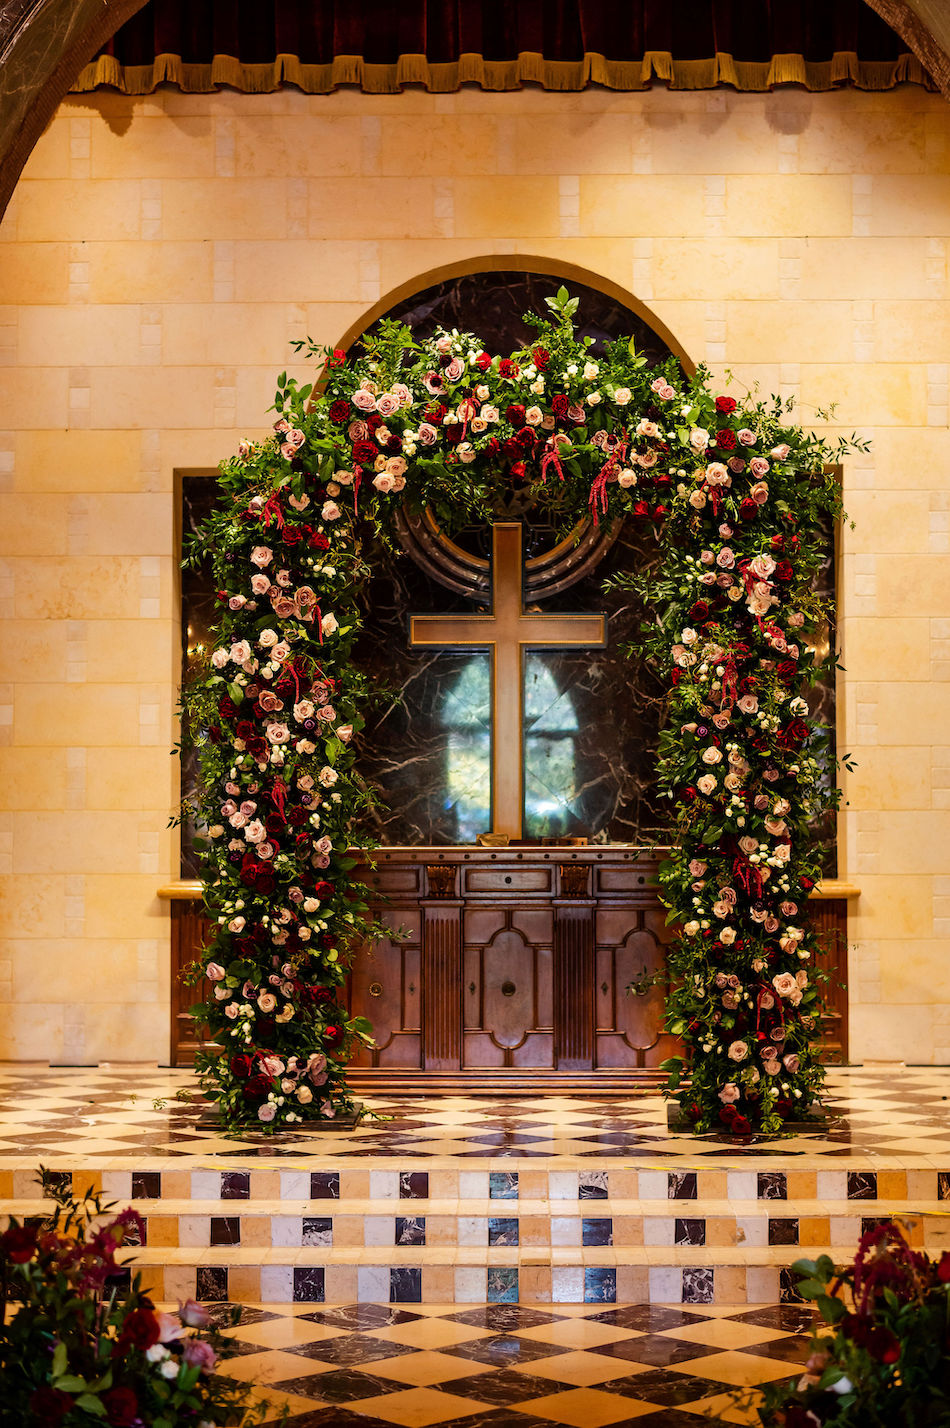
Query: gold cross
[507, 631]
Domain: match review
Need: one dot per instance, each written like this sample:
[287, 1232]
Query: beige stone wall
[159, 255]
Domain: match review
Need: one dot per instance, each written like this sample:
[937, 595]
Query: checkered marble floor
[378, 1365]
[145, 1115]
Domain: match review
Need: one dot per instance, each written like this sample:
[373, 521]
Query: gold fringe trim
[844, 68]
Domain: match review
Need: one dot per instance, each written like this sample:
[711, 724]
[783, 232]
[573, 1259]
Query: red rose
[292, 535]
[241, 1066]
[699, 610]
[323, 890]
[740, 1126]
[122, 1407]
[748, 509]
[542, 358]
[689, 794]
[364, 452]
[943, 1268]
[515, 414]
[337, 359]
[339, 410]
[332, 1034]
[676, 675]
[659, 513]
[784, 570]
[693, 1112]
[519, 471]
[559, 406]
[140, 1330]
[274, 824]
[507, 367]
[324, 995]
[297, 817]
[374, 421]
[319, 542]
[726, 439]
[227, 707]
[728, 1114]
[18, 1243]
[256, 1086]
[394, 443]
[434, 413]
[641, 509]
[726, 405]
[778, 542]
[483, 361]
[787, 671]
[49, 1406]
[245, 730]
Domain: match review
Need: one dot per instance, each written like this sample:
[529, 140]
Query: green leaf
[832, 1309]
[236, 693]
[810, 1288]
[712, 835]
[632, 347]
[59, 1360]
[91, 1404]
[71, 1383]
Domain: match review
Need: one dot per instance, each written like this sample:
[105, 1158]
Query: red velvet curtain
[316, 31]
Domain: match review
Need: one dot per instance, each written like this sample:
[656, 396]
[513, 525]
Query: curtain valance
[257, 46]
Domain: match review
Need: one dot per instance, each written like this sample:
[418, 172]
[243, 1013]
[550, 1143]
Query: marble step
[467, 1275]
[407, 1225]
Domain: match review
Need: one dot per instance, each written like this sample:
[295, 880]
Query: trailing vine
[734, 493]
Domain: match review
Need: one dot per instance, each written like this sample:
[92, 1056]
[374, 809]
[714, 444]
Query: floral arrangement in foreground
[735, 494]
[76, 1350]
[887, 1360]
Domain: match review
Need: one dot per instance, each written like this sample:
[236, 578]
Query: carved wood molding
[573, 877]
[441, 879]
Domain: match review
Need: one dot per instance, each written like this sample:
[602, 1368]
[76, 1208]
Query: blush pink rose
[261, 555]
[758, 466]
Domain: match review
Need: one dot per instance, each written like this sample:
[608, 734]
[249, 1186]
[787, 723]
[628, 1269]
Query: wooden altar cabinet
[509, 967]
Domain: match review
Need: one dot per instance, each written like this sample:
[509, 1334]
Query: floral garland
[734, 494]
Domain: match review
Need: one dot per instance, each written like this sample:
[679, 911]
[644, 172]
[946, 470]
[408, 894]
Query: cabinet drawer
[508, 879]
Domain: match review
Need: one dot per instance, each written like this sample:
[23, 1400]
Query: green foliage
[75, 1350]
[881, 1355]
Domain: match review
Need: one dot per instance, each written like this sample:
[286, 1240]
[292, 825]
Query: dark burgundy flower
[291, 535]
[726, 405]
[318, 541]
[507, 367]
[748, 510]
[560, 405]
[699, 610]
[339, 410]
[245, 730]
[255, 1087]
[18, 1243]
[242, 1065]
[365, 452]
[740, 1126]
[519, 471]
[49, 1406]
[140, 1330]
[726, 439]
[337, 358]
[515, 414]
[453, 432]
[784, 570]
[542, 358]
[227, 707]
[122, 1407]
[434, 413]
[332, 1034]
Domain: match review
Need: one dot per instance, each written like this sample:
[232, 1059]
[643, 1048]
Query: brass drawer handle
[376, 989]
[508, 989]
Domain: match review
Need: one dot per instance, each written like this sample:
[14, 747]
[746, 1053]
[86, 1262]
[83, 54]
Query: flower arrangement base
[347, 1121]
[812, 1118]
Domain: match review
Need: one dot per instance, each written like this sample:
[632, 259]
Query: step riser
[686, 1229]
[469, 1284]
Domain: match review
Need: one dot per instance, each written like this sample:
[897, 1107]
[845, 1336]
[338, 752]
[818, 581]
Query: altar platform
[561, 1200]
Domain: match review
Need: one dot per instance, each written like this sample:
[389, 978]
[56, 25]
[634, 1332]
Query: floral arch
[733, 493]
